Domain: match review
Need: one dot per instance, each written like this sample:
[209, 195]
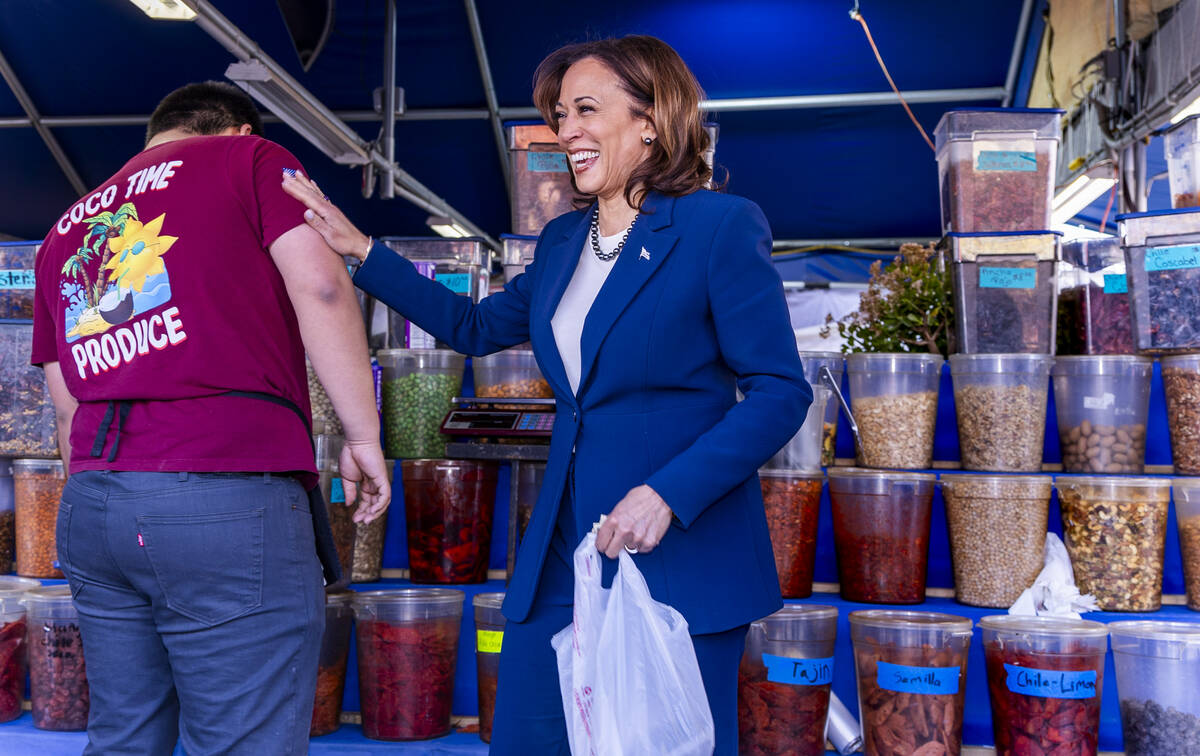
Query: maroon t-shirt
[158, 288]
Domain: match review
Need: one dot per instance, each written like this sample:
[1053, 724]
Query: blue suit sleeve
[499, 321]
[757, 342]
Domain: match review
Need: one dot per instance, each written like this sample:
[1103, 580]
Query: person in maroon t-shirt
[174, 307]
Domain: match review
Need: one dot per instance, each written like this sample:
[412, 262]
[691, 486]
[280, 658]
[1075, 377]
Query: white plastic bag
[627, 669]
[1054, 593]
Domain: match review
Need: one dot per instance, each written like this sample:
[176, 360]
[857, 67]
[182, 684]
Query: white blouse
[590, 274]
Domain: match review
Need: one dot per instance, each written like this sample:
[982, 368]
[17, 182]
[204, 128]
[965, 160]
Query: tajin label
[902, 678]
[784, 669]
[1050, 683]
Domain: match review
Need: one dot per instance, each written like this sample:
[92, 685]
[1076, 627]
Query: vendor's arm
[757, 342]
[331, 328]
[64, 409]
[500, 321]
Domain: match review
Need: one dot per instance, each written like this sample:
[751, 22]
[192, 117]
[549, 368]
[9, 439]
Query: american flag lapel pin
[645, 254]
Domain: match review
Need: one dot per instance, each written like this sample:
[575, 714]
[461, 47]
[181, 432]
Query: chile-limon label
[1050, 683]
[1007, 278]
[488, 641]
[902, 678]
[784, 669]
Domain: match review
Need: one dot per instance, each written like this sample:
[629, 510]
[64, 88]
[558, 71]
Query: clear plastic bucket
[1102, 403]
[331, 667]
[1158, 677]
[1000, 402]
[448, 505]
[894, 399]
[489, 637]
[417, 392]
[804, 451]
[793, 501]
[58, 686]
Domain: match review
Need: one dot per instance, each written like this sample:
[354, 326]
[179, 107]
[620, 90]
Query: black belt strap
[106, 424]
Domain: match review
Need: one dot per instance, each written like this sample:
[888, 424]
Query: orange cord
[1104, 220]
[857, 16]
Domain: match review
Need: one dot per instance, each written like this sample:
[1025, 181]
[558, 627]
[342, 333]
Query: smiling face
[598, 130]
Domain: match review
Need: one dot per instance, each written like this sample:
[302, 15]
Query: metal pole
[873, 242]
[43, 131]
[388, 189]
[489, 91]
[348, 116]
[1014, 62]
[851, 100]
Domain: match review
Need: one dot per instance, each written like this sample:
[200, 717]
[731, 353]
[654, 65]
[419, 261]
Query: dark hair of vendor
[205, 108]
[663, 90]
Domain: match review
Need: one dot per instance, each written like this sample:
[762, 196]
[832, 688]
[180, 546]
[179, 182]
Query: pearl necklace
[601, 254]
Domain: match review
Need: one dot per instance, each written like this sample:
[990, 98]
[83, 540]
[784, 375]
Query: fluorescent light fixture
[1081, 192]
[1192, 109]
[169, 10]
[443, 226]
[298, 109]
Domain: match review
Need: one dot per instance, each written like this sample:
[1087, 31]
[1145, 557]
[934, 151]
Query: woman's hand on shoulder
[339, 233]
[639, 521]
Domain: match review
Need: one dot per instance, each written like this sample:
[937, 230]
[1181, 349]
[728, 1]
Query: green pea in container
[419, 386]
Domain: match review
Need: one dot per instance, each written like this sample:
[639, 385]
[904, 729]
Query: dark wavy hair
[205, 108]
[664, 91]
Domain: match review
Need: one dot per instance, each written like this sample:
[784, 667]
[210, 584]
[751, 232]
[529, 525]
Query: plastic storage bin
[813, 362]
[1181, 147]
[324, 418]
[529, 486]
[461, 265]
[12, 653]
[407, 645]
[331, 667]
[1004, 288]
[368, 542]
[881, 534]
[784, 682]
[805, 450]
[1102, 402]
[894, 399]
[996, 168]
[37, 492]
[912, 679]
[489, 637]
[1181, 382]
[58, 686]
[540, 179]
[448, 505]
[418, 389]
[1162, 264]
[1000, 401]
[1187, 515]
[16, 279]
[793, 501]
[997, 527]
[1044, 679]
[27, 425]
[517, 254]
[1115, 530]
[513, 372]
[1093, 299]
[341, 522]
[1158, 676]
[8, 520]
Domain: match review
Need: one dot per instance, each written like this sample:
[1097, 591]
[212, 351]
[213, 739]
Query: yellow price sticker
[488, 641]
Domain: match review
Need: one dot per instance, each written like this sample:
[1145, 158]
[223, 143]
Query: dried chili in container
[1163, 272]
[37, 491]
[996, 168]
[8, 518]
[804, 451]
[58, 685]
[331, 664]
[1044, 679]
[12, 652]
[997, 527]
[489, 636]
[407, 644]
[1115, 530]
[1158, 677]
[813, 362]
[793, 502]
[1093, 297]
[448, 504]
[881, 533]
[1102, 403]
[784, 681]
[912, 678]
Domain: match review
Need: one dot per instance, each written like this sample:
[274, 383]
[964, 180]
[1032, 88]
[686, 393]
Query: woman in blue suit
[647, 311]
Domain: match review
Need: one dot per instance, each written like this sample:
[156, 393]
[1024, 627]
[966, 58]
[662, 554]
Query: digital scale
[534, 420]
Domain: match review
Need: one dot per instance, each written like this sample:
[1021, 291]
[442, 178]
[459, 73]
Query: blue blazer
[692, 311]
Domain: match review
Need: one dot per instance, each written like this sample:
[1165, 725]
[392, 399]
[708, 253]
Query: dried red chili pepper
[12, 669]
[58, 683]
[406, 677]
[775, 718]
[792, 506]
[1031, 725]
[448, 505]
